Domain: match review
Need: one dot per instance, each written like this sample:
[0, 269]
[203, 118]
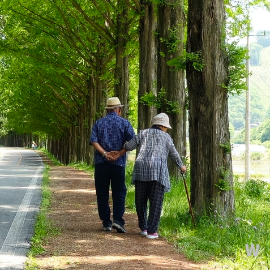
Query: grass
[222, 239]
[43, 227]
[55, 161]
[219, 240]
[83, 166]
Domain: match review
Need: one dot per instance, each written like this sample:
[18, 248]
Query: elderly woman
[151, 176]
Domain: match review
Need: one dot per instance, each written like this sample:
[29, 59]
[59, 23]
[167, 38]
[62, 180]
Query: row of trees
[62, 58]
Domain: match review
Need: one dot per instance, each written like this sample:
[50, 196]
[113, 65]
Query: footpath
[83, 245]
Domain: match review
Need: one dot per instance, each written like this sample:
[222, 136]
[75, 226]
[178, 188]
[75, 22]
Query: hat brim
[164, 125]
[114, 106]
[167, 126]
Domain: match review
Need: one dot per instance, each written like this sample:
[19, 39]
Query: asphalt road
[21, 173]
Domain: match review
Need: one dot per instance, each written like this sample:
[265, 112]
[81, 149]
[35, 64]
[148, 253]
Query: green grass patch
[219, 240]
[83, 166]
[130, 198]
[55, 161]
[43, 226]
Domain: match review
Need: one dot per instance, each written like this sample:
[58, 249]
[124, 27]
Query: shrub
[256, 156]
[254, 188]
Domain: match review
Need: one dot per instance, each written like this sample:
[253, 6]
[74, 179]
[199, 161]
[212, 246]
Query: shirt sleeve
[129, 133]
[132, 144]
[93, 137]
[174, 155]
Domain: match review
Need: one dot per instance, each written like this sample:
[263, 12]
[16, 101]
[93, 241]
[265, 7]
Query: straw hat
[113, 103]
[162, 119]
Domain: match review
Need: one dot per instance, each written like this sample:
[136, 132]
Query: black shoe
[119, 228]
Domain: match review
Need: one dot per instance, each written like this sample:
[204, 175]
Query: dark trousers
[154, 192]
[107, 174]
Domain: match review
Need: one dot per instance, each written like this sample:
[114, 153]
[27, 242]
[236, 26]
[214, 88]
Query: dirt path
[83, 245]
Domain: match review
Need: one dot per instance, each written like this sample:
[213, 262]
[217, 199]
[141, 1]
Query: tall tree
[171, 29]
[147, 61]
[210, 156]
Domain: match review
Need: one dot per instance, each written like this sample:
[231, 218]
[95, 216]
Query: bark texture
[147, 62]
[121, 75]
[171, 23]
[211, 165]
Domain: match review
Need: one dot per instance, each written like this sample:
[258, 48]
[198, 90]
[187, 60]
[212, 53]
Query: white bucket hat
[162, 119]
[113, 103]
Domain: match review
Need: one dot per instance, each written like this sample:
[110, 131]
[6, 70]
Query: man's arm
[99, 148]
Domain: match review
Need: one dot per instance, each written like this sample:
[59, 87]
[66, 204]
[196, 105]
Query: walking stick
[190, 208]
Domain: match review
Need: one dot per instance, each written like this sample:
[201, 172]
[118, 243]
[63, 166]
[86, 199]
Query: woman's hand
[183, 169]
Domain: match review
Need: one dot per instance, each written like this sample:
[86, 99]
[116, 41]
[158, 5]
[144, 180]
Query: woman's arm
[174, 155]
[128, 146]
[100, 149]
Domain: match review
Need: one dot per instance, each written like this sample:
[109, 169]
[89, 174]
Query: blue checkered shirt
[151, 163]
[111, 132]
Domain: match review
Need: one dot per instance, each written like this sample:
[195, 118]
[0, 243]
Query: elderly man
[109, 134]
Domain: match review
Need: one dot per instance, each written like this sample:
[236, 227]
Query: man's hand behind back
[113, 155]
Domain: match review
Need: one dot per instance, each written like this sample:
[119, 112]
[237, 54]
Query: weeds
[83, 166]
[43, 227]
[55, 161]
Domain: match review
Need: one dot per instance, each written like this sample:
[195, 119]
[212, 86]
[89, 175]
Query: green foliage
[218, 239]
[236, 68]
[256, 156]
[239, 137]
[150, 99]
[133, 91]
[255, 51]
[265, 134]
[43, 227]
[267, 144]
[260, 133]
[53, 55]
[180, 62]
[83, 166]
[238, 21]
[223, 183]
[254, 188]
[130, 198]
[3, 126]
[259, 102]
[55, 161]
[226, 147]
[172, 42]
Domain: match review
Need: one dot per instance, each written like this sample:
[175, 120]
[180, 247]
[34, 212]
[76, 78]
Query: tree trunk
[121, 75]
[211, 165]
[147, 62]
[171, 20]
[91, 108]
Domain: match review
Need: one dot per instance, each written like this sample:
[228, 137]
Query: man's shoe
[152, 235]
[119, 228]
[144, 233]
[106, 228]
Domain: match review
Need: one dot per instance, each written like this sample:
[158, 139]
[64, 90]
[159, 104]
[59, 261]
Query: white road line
[8, 255]
[20, 158]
